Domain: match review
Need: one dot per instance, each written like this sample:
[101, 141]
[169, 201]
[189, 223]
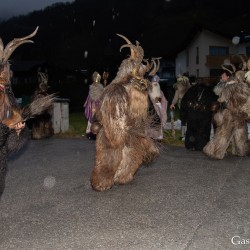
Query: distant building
[206, 52]
[166, 72]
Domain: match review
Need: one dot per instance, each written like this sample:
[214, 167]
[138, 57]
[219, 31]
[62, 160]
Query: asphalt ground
[184, 200]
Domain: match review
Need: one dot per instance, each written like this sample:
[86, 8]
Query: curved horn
[153, 71]
[125, 38]
[156, 66]
[44, 77]
[243, 60]
[11, 46]
[244, 63]
[158, 63]
[225, 68]
[130, 45]
[148, 65]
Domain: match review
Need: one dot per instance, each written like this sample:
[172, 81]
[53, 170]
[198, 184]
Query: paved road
[183, 201]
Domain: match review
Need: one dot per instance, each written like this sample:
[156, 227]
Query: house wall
[181, 63]
[203, 40]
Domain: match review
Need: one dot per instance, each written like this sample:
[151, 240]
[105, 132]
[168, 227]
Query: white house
[207, 51]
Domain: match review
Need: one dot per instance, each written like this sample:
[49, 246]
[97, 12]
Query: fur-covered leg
[143, 150]
[149, 149]
[216, 148]
[240, 143]
[130, 163]
[106, 164]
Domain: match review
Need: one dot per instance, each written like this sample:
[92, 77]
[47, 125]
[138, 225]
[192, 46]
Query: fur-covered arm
[15, 142]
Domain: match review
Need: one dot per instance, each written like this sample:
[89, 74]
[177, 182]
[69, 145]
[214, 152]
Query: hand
[172, 106]
[19, 126]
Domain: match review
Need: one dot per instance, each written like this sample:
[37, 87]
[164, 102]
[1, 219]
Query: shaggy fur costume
[122, 145]
[42, 124]
[10, 113]
[231, 121]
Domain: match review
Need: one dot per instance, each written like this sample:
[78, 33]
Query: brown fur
[122, 145]
[231, 122]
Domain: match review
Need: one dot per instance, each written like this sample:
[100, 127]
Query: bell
[95, 128]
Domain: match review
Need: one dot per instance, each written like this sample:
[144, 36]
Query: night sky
[10, 8]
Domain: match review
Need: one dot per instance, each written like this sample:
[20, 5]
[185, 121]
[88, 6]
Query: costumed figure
[13, 132]
[181, 87]
[105, 76]
[231, 118]
[122, 145]
[92, 102]
[42, 124]
[158, 108]
[196, 106]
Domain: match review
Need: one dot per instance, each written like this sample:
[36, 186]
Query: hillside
[163, 28]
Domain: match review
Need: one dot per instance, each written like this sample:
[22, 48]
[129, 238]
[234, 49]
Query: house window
[197, 55]
[248, 51]
[218, 51]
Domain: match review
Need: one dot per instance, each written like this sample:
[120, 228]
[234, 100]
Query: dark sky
[10, 8]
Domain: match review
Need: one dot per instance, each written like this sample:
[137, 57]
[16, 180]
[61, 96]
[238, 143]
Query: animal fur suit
[231, 121]
[13, 136]
[122, 145]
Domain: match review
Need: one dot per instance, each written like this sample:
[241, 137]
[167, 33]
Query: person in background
[181, 87]
[158, 108]
[92, 102]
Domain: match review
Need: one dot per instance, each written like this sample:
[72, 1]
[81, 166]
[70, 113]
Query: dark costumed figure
[122, 145]
[13, 132]
[42, 124]
[196, 106]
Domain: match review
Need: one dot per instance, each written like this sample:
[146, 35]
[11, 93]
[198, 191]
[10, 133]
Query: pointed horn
[153, 71]
[244, 63]
[243, 60]
[11, 46]
[44, 77]
[130, 45]
[158, 63]
[125, 38]
[132, 50]
[225, 68]
[148, 65]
